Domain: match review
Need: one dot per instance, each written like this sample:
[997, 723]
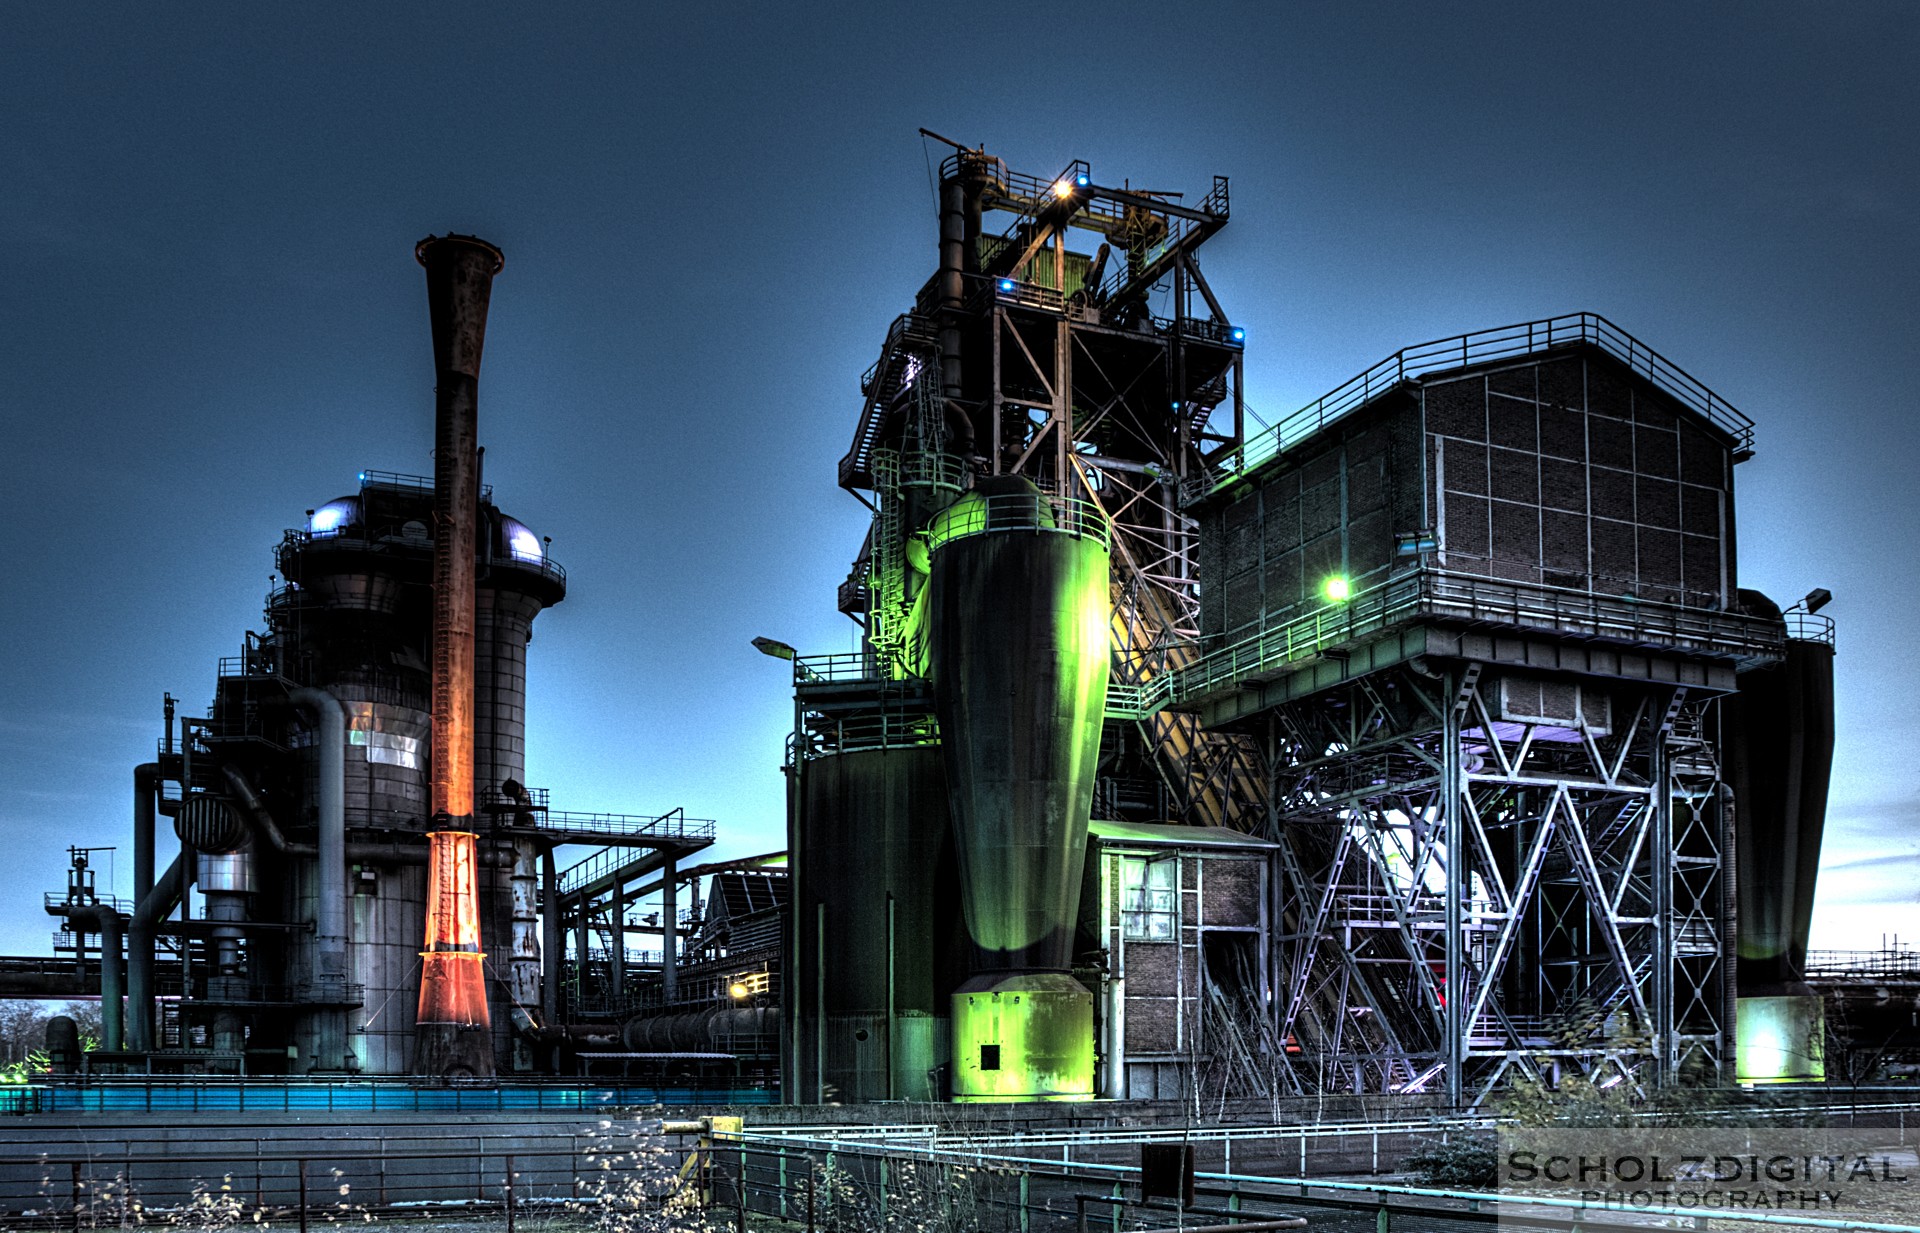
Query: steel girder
[1467, 897]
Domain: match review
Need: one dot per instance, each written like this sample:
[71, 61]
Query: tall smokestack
[454, 1036]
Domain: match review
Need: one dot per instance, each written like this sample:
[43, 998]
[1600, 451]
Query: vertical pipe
[669, 933]
[1453, 834]
[893, 1016]
[329, 719]
[1666, 1049]
[953, 254]
[820, 1002]
[112, 1005]
[580, 955]
[146, 784]
[550, 938]
[617, 943]
[524, 969]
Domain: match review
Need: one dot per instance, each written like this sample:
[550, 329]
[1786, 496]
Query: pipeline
[330, 917]
[712, 1030]
[146, 787]
[99, 918]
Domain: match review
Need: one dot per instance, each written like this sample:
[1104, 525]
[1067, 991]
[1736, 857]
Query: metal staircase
[902, 358]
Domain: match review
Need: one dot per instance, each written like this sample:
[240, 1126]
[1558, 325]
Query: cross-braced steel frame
[1467, 897]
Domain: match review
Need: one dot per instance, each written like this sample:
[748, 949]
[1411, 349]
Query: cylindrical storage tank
[1019, 611]
[877, 892]
[386, 756]
[63, 1044]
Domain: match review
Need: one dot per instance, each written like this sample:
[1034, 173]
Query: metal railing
[1019, 511]
[666, 826]
[398, 482]
[1888, 963]
[1483, 346]
[1478, 601]
[1808, 627]
[882, 729]
[295, 540]
[533, 563]
[833, 1180]
[57, 901]
[844, 667]
[598, 865]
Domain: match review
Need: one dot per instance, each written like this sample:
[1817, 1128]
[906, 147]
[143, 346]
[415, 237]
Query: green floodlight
[1337, 590]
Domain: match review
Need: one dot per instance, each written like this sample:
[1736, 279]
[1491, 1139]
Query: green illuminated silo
[1018, 615]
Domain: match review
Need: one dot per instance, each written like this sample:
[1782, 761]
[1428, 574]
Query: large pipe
[330, 915]
[454, 1029]
[146, 786]
[152, 908]
[550, 937]
[669, 934]
[105, 921]
[329, 718]
[959, 235]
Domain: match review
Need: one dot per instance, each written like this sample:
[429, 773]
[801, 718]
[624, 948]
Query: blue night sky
[212, 319]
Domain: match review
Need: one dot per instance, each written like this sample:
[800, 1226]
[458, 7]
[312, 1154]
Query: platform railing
[1019, 511]
[1482, 346]
[1809, 627]
[1475, 601]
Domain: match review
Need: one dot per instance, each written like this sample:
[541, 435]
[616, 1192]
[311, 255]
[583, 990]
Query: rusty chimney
[454, 1036]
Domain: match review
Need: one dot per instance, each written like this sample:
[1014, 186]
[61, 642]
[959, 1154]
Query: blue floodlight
[1082, 180]
[1006, 286]
[1239, 334]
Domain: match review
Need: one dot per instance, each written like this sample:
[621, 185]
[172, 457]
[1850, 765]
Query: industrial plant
[1422, 742]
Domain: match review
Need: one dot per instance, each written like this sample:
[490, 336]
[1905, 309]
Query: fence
[810, 1178]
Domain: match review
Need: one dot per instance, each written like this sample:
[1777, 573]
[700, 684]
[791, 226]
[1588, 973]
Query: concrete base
[1026, 1036]
[1780, 1039]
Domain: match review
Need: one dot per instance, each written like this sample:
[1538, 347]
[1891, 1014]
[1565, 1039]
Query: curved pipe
[243, 791]
[269, 830]
[104, 921]
[330, 919]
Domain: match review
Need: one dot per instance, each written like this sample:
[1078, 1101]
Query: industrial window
[1148, 903]
[989, 1057]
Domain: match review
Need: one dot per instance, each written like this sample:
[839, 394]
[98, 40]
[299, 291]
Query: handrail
[670, 825]
[1444, 595]
[886, 728]
[1481, 346]
[1808, 627]
[409, 483]
[1019, 511]
[1439, 593]
[844, 666]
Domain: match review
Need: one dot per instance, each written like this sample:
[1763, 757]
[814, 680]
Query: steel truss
[1466, 898]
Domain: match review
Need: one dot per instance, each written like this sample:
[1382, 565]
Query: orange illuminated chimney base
[454, 1035]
